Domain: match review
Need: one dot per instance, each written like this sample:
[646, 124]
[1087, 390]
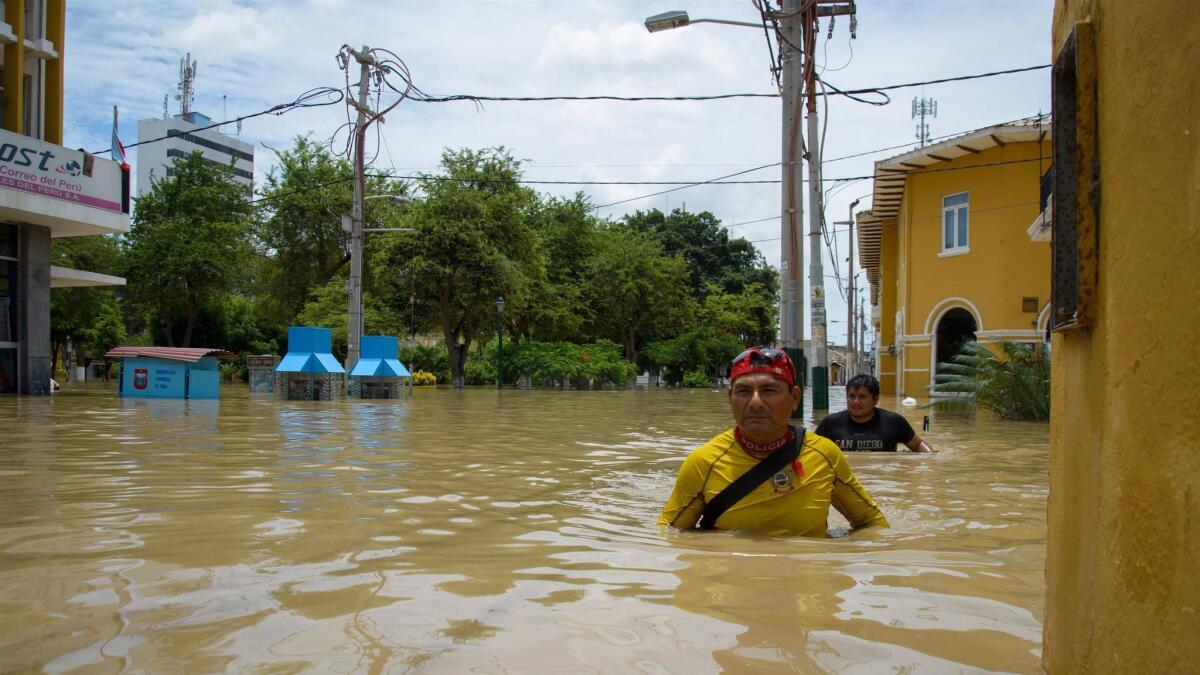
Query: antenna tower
[922, 108]
[187, 81]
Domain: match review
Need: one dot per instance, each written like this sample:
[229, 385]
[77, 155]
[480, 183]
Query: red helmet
[764, 360]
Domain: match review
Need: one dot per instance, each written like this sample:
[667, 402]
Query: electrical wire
[853, 94]
[684, 187]
[302, 101]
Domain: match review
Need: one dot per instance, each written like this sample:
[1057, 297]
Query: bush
[700, 349]
[697, 379]
[429, 358]
[550, 363]
[421, 378]
[1015, 386]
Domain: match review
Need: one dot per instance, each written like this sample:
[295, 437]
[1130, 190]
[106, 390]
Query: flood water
[484, 531]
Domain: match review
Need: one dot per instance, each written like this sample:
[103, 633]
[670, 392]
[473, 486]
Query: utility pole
[851, 346]
[862, 328]
[354, 326]
[816, 273]
[791, 306]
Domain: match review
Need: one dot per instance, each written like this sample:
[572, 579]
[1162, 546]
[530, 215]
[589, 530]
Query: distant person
[865, 427]
[764, 475]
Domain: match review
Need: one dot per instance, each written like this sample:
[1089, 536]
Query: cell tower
[922, 108]
[186, 88]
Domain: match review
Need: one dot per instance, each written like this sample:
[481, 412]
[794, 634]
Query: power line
[850, 93]
[602, 97]
[301, 101]
[960, 78]
[705, 182]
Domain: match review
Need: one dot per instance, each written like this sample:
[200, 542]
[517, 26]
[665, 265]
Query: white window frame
[959, 247]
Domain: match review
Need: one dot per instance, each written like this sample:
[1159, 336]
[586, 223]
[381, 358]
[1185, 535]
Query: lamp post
[791, 296]
[500, 333]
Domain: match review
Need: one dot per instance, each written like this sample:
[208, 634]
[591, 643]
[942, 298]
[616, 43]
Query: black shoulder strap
[746, 482]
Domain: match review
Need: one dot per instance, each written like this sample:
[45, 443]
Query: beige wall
[1123, 549]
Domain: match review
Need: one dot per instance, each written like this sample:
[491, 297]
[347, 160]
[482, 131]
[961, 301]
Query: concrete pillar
[33, 333]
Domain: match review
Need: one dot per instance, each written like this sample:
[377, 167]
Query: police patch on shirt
[782, 481]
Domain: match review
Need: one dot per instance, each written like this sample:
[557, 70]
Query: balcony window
[955, 226]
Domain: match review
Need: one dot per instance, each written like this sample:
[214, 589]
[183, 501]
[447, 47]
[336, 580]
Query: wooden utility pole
[791, 305]
[810, 15]
[354, 326]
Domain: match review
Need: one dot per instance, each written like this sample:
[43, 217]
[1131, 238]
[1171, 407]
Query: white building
[185, 135]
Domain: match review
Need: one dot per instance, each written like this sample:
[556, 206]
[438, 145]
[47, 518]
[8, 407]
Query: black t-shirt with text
[879, 434]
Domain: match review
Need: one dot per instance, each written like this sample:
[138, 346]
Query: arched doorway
[954, 328]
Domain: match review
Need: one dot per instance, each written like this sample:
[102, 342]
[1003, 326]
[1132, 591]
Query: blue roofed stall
[379, 372]
[309, 371]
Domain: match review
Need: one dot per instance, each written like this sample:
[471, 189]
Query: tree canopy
[207, 262]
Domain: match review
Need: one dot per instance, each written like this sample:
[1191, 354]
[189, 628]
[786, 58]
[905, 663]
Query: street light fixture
[500, 332]
[678, 19]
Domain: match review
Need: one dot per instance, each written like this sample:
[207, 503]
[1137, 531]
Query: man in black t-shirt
[863, 427]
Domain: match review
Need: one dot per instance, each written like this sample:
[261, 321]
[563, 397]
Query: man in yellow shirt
[791, 476]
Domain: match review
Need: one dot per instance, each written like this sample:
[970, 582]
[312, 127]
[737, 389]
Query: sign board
[262, 361]
[35, 166]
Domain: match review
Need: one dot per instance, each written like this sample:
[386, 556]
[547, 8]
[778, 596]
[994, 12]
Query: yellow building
[946, 249]
[46, 191]
[1123, 544]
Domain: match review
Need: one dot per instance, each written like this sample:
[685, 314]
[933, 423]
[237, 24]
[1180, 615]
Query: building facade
[46, 191]
[185, 134]
[1123, 516]
[947, 253]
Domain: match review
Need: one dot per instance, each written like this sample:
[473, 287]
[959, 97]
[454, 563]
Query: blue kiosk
[309, 372]
[168, 372]
[378, 373]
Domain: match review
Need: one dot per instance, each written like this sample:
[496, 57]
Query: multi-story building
[947, 252]
[185, 134]
[46, 191]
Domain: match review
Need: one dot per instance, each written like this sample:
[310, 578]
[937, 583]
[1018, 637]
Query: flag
[118, 150]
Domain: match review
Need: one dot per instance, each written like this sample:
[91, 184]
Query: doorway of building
[955, 328]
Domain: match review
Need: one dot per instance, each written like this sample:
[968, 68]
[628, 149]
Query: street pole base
[820, 388]
[797, 357]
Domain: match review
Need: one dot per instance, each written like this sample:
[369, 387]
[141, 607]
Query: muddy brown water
[485, 531]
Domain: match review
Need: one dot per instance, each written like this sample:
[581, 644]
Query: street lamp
[679, 19]
[791, 296]
[500, 332]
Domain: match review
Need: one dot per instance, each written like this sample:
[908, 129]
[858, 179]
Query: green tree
[702, 349]
[189, 243]
[471, 243]
[713, 257]
[748, 315]
[301, 236]
[636, 293]
[88, 318]
[554, 308]
[327, 308]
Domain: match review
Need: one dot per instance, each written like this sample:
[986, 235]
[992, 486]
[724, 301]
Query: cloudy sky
[255, 54]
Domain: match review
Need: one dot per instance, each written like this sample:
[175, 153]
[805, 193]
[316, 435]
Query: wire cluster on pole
[376, 67]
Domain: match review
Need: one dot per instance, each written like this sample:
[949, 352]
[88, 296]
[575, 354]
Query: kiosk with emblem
[169, 372]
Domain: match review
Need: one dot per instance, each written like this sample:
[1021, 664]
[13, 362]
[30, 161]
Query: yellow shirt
[785, 504]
